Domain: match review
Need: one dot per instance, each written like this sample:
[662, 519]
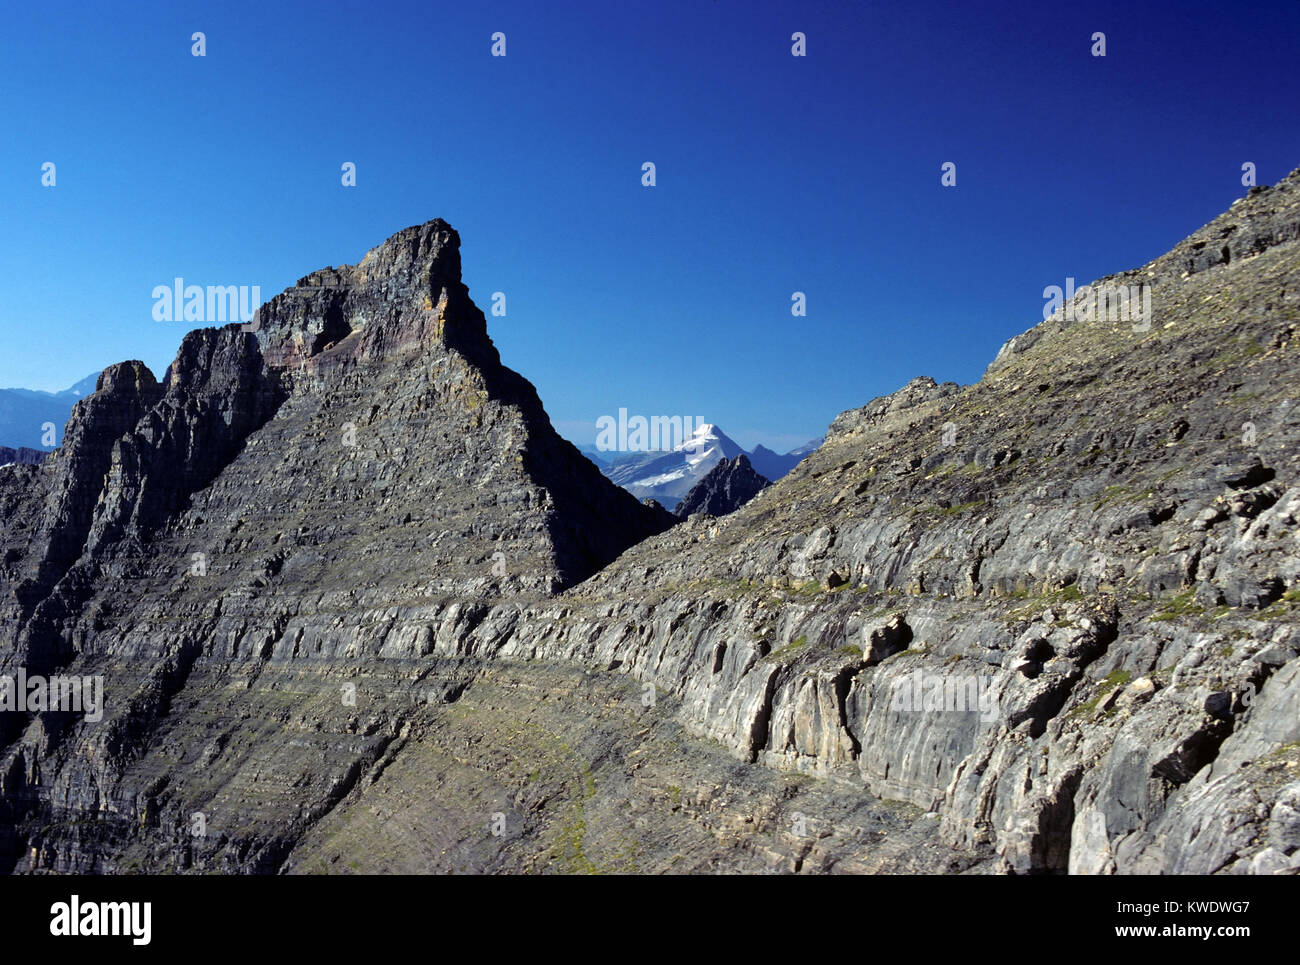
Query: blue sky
[775, 174]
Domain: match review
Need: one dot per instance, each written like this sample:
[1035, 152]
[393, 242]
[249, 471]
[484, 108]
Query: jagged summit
[405, 295]
[667, 475]
[293, 493]
[724, 489]
[367, 393]
[427, 255]
[417, 250]
[132, 377]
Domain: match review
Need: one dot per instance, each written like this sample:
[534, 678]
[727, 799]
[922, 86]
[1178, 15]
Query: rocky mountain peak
[724, 489]
[404, 296]
[373, 388]
[131, 377]
[428, 253]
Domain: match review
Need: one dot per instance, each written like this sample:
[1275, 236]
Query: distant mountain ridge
[24, 413]
[772, 465]
[667, 476]
[727, 486]
[22, 456]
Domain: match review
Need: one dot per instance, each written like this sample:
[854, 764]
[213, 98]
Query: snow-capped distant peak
[667, 475]
[707, 436]
[705, 432]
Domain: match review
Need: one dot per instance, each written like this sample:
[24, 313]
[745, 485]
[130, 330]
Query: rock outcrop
[724, 489]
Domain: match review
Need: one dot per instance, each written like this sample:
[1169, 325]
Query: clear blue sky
[775, 174]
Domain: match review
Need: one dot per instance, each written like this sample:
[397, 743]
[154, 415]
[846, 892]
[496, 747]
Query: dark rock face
[314, 490]
[353, 602]
[724, 489]
[71, 505]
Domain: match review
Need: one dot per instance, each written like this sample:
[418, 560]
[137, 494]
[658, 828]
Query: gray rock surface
[1057, 608]
[724, 489]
